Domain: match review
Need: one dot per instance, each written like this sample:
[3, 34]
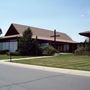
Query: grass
[68, 61]
[7, 57]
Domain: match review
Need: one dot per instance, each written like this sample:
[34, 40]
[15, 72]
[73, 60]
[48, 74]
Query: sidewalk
[25, 58]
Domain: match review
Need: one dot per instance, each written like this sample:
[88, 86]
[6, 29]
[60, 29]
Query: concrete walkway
[25, 58]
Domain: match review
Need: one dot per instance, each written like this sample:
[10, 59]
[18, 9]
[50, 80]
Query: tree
[0, 31]
[25, 42]
[36, 50]
[27, 45]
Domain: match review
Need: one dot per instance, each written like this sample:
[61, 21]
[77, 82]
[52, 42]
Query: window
[66, 47]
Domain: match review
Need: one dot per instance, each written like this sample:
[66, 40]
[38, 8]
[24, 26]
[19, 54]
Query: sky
[68, 16]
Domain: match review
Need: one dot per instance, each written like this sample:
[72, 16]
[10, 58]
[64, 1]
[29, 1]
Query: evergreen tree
[25, 42]
[28, 46]
[36, 50]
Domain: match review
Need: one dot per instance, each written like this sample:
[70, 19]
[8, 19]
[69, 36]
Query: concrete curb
[57, 70]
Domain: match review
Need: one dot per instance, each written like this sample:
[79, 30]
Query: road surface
[21, 78]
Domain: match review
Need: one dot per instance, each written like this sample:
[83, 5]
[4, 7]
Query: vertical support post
[10, 57]
[36, 37]
[10, 52]
[36, 52]
[55, 36]
[17, 43]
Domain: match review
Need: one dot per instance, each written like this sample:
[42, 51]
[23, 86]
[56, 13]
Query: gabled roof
[43, 34]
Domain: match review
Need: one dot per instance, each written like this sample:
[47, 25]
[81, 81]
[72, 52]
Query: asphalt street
[21, 78]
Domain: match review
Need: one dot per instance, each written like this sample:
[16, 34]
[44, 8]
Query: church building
[61, 41]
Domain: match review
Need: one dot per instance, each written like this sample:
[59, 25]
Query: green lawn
[7, 57]
[69, 61]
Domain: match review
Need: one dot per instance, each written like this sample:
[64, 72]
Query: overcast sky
[68, 16]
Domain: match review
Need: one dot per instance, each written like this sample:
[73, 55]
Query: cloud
[86, 13]
[82, 15]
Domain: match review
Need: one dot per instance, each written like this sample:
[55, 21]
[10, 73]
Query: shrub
[48, 50]
[3, 51]
[83, 51]
[87, 47]
[79, 50]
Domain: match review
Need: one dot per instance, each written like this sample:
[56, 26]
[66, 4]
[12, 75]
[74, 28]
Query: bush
[83, 51]
[3, 51]
[79, 50]
[48, 50]
[87, 47]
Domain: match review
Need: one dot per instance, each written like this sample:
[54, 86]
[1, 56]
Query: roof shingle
[43, 33]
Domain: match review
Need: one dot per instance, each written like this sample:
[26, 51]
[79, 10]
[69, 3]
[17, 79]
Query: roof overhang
[10, 37]
[87, 33]
[39, 37]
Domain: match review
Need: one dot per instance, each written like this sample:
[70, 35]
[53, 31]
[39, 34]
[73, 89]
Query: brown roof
[86, 33]
[43, 34]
